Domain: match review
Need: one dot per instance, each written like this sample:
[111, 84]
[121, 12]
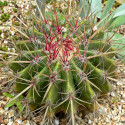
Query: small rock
[114, 112]
[123, 96]
[5, 11]
[103, 123]
[2, 35]
[5, 121]
[56, 122]
[89, 122]
[122, 111]
[10, 122]
[10, 5]
[2, 111]
[5, 42]
[102, 110]
[119, 83]
[123, 101]
[22, 6]
[26, 122]
[99, 123]
[19, 121]
[120, 107]
[123, 107]
[109, 117]
[6, 109]
[2, 105]
[122, 92]
[112, 94]
[27, 7]
[122, 119]
[9, 49]
[1, 119]
[33, 2]
[115, 118]
[96, 119]
[10, 113]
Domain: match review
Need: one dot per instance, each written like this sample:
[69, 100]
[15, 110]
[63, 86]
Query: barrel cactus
[64, 64]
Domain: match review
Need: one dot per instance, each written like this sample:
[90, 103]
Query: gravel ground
[111, 110]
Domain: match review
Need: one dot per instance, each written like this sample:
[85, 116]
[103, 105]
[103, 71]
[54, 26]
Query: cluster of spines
[57, 81]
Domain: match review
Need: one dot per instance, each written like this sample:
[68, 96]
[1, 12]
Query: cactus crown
[64, 64]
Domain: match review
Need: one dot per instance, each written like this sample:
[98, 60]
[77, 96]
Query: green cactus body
[65, 70]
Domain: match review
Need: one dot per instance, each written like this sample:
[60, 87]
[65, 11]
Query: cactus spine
[62, 66]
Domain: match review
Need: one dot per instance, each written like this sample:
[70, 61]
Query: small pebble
[10, 122]
[56, 122]
[2, 105]
[112, 94]
[2, 35]
[119, 107]
[123, 96]
[123, 107]
[22, 6]
[122, 119]
[26, 122]
[1, 119]
[2, 111]
[19, 121]
[89, 122]
[10, 5]
[5, 121]
[10, 113]
[5, 42]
